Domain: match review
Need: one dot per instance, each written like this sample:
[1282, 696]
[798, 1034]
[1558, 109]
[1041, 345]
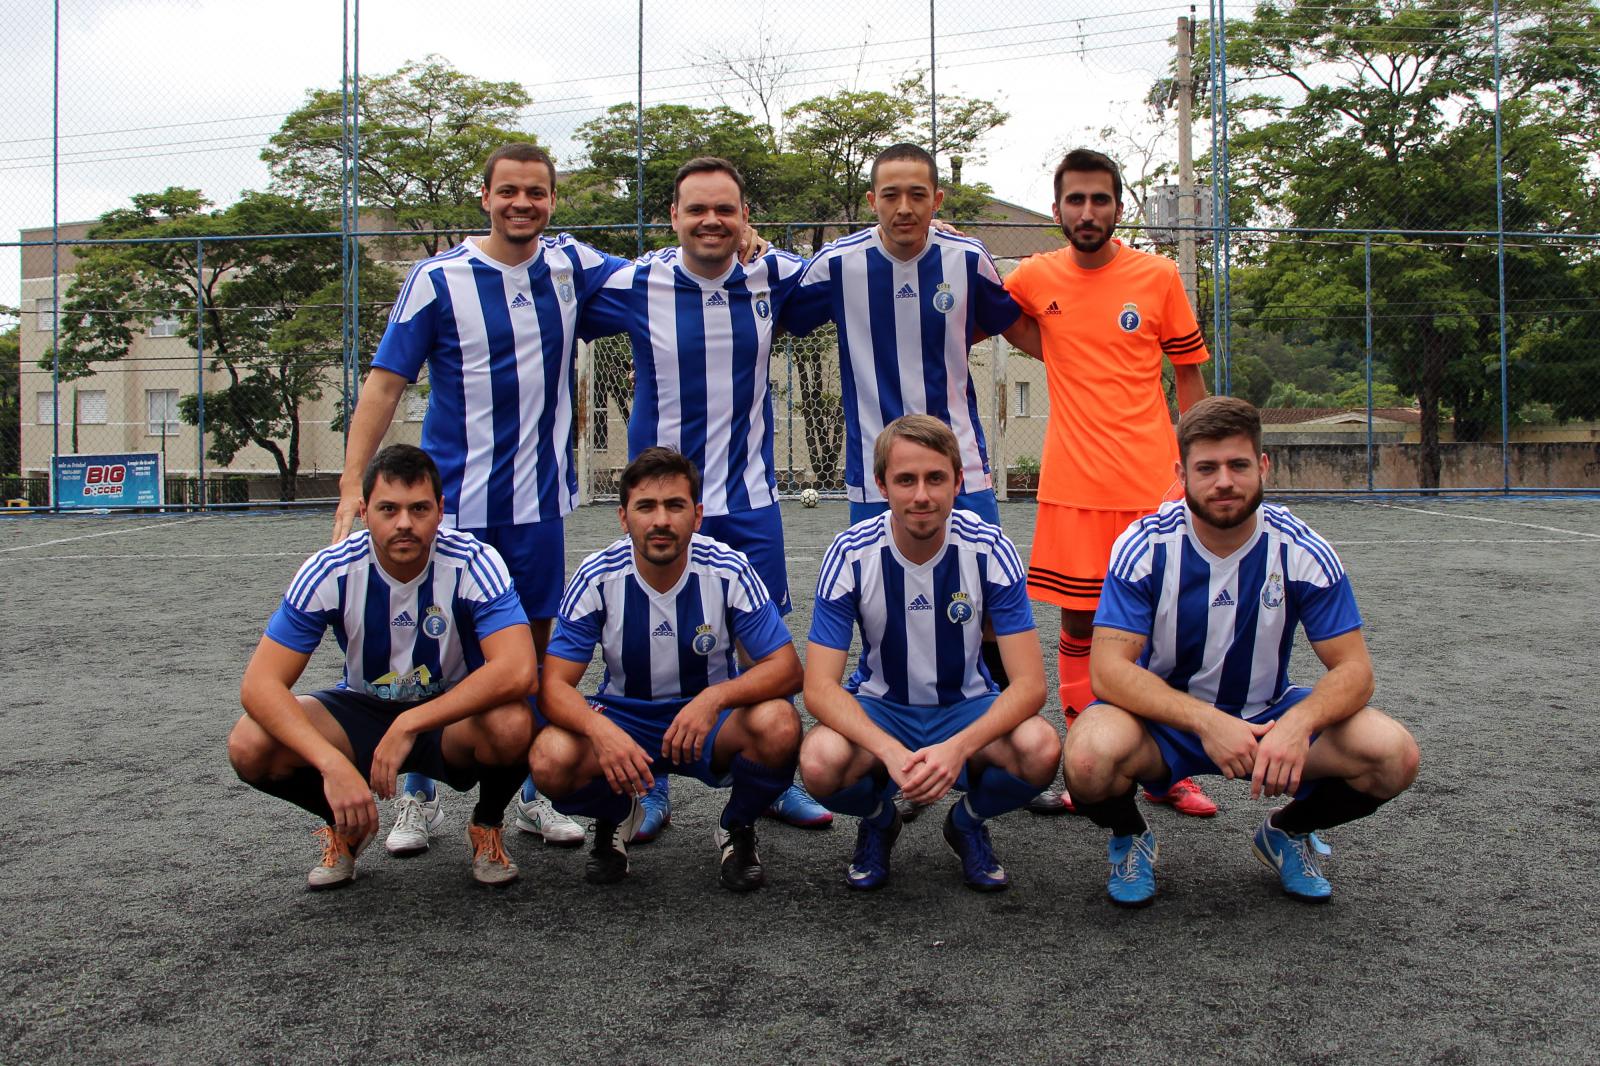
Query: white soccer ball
[809, 497]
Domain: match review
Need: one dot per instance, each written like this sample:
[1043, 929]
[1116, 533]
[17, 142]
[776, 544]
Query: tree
[272, 310]
[1390, 124]
[425, 131]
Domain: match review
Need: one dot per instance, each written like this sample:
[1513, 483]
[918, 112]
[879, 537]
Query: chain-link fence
[1392, 206]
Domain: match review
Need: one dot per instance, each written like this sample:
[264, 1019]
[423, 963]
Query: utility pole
[1186, 197]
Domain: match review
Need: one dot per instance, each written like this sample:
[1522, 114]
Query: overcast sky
[186, 92]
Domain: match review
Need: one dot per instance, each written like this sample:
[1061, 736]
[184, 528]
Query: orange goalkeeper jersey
[1109, 443]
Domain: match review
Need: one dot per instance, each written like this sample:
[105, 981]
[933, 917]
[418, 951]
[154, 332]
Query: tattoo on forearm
[1119, 638]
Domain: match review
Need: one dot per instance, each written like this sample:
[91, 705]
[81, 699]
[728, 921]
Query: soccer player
[910, 301]
[673, 612]
[1191, 658]
[920, 713]
[438, 665]
[1108, 314]
[494, 319]
[701, 324]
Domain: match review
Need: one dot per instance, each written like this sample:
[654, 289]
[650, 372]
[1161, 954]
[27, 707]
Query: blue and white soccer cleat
[869, 866]
[1293, 856]
[1133, 869]
[980, 870]
[657, 811]
[796, 807]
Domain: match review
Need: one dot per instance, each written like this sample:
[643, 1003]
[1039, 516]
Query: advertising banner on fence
[89, 481]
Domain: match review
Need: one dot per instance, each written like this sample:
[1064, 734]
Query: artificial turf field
[157, 912]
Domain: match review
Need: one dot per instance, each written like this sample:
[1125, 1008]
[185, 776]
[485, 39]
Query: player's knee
[775, 731]
[823, 756]
[250, 750]
[1095, 747]
[1404, 759]
[507, 732]
[552, 758]
[1038, 747]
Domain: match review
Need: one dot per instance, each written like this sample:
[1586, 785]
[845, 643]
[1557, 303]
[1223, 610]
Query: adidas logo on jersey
[906, 292]
[1223, 600]
[519, 300]
[662, 630]
[405, 619]
[716, 299]
[1053, 309]
[921, 603]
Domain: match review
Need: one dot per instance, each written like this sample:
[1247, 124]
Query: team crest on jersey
[434, 623]
[960, 609]
[1272, 591]
[1129, 319]
[944, 301]
[564, 287]
[705, 640]
[763, 305]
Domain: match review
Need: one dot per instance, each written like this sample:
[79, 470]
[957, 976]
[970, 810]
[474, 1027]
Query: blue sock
[528, 789]
[867, 799]
[995, 792]
[754, 788]
[595, 800]
[415, 782]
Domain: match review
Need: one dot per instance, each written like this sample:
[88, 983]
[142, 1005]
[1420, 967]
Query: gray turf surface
[156, 911]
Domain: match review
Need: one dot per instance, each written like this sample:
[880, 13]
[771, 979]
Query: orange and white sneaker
[338, 865]
[490, 863]
[1185, 797]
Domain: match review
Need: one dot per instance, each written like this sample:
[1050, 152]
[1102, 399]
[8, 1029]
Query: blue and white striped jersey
[701, 350]
[1222, 629]
[904, 332]
[498, 343]
[661, 649]
[921, 626]
[401, 641]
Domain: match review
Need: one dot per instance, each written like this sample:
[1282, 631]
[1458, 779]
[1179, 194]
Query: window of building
[161, 412]
[44, 314]
[164, 326]
[47, 409]
[1022, 399]
[91, 407]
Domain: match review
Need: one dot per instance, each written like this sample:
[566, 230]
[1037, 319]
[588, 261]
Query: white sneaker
[537, 816]
[416, 819]
[338, 865]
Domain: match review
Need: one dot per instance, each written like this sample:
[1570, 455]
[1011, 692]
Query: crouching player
[671, 611]
[921, 713]
[438, 668]
[1191, 662]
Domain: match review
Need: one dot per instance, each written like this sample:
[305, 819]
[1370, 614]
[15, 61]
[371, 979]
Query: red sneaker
[1185, 797]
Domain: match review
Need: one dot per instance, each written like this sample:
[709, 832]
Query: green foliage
[1390, 125]
[426, 130]
[271, 321]
[10, 400]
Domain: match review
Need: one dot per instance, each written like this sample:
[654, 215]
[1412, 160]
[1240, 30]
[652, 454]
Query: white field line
[106, 533]
[1481, 518]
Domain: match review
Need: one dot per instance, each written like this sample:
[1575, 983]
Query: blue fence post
[200, 364]
[1500, 264]
[1366, 254]
[55, 263]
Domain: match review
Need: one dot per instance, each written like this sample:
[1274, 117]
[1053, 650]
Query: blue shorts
[648, 733]
[982, 503]
[1185, 756]
[536, 555]
[918, 727]
[365, 719]
[759, 534]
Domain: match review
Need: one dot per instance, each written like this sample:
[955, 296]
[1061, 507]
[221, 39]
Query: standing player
[438, 664]
[1108, 314]
[921, 713]
[671, 611]
[1191, 657]
[494, 319]
[701, 325]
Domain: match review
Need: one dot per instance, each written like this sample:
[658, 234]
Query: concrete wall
[1344, 466]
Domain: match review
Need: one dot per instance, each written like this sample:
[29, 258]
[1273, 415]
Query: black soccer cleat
[741, 867]
[608, 859]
